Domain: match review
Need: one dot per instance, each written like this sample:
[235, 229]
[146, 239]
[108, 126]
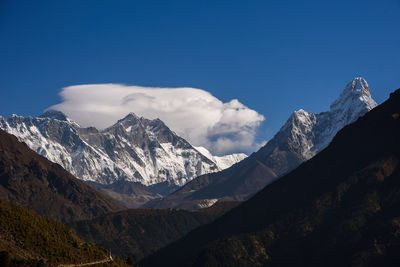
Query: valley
[218, 218]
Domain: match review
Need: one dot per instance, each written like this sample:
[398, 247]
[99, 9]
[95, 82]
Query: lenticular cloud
[192, 113]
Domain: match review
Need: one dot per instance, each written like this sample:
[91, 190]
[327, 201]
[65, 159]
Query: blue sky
[273, 56]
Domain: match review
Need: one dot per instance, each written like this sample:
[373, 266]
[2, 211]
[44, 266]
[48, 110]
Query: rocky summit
[305, 133]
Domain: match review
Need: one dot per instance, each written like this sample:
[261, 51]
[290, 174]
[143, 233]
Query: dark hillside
[34, 182]
[341, 208]
[140, 232]
[29, 239]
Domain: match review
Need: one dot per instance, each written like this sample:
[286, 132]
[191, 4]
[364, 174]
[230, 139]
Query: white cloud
[192, 113]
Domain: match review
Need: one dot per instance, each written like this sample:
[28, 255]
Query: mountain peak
[54, 114]
[358, 85]
[300, 117]
[130, 118]
[130, 115]
[301, 113]
[58, 115]
[355, 94]
[133, 119]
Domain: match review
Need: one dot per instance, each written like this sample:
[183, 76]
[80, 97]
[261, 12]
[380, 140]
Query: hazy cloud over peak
[192, 113]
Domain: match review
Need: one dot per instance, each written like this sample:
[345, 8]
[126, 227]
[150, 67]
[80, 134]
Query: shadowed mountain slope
[131, 194]
[340, 208]
[140, 232]
[39, 184]
[27, 239]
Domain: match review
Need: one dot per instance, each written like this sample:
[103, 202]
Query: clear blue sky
[274, 56]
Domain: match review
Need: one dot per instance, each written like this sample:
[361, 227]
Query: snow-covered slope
[305, 133]
[134, 149]
[223, 162]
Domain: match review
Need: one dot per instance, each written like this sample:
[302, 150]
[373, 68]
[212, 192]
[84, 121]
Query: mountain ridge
[133, 149]
[302, 136]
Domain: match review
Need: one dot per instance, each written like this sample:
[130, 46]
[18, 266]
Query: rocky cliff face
[133, 149]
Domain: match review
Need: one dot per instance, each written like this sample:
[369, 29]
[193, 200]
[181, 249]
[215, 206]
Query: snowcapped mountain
[302, 136]
[305, 133]
[133, 149]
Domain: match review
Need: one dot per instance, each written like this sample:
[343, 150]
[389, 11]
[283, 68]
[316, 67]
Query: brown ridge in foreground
[341, 208]
[33, 181]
